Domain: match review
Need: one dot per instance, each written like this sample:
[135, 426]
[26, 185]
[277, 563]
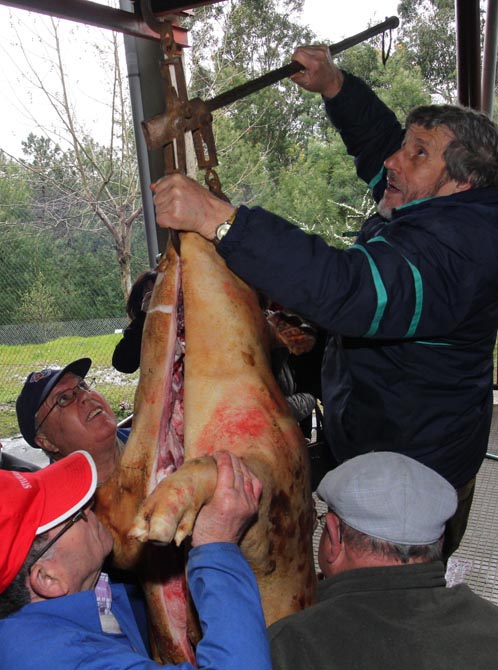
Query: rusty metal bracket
[167, 130]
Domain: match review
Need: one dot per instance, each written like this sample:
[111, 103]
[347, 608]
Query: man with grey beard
[411, 307]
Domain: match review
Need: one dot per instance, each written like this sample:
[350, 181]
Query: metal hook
[159, 26]
[385, 55]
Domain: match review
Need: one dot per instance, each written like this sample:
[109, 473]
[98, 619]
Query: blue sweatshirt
[66, 634]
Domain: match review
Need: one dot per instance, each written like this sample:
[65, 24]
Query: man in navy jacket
[412, 306]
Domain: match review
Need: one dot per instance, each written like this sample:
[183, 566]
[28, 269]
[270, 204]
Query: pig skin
[231, 402]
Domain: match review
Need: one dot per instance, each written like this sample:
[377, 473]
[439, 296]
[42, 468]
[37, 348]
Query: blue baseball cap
[36, 389]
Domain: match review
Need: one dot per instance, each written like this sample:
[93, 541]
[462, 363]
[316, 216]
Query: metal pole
[468, 53]
[285, 71]
[489, 60]
[142, 153]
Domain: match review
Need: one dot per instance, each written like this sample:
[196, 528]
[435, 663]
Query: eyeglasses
[67, 397]
[80, 514]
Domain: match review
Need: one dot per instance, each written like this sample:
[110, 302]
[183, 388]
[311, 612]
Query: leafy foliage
[68, 210]
[276, 147]
[428, 35]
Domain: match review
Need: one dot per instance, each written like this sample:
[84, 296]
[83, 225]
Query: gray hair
[401, 553]
[472, 156]
[17, 594]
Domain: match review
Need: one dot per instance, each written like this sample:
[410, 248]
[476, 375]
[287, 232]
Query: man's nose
[83, 395]
[392, 162]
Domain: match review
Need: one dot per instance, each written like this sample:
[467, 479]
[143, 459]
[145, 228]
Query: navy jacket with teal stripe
[411, 307]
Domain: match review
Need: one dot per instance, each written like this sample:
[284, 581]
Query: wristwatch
[224, 227]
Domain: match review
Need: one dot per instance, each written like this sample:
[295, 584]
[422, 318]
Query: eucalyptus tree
[232, 43]
[429, 37]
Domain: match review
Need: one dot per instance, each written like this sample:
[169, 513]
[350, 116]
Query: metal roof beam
[101, 16]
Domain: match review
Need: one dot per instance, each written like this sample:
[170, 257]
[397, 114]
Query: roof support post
[142, 59]
[489, 60]
[468, 53]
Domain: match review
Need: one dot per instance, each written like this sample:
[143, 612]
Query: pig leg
[169, 512]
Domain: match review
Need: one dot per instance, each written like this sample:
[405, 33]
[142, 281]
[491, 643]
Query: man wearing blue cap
[59, 412]
[384, 604]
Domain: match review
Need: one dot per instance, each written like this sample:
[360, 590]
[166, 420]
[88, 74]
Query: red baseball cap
[33, 502]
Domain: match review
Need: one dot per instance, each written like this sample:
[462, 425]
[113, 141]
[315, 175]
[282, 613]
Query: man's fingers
[225, 468]
[234, 472]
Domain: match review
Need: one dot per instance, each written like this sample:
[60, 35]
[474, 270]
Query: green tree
[38, 303]
[77, 262]
[276, 147]
[428, 35]
[15, 191]
[235, 42]
[77, 182]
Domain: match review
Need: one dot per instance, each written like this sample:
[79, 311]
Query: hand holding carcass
[183, 204]
[233, 506]
[222, 482]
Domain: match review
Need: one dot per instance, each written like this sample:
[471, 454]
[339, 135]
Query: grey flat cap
[391, 497]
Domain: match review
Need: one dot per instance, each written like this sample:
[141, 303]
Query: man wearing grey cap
[384, 603]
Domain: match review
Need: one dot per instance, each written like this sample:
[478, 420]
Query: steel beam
[101, 16]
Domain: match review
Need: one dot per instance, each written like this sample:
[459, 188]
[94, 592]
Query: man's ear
[334, 545]
[44, 443]
[463, 186]
[46, 581]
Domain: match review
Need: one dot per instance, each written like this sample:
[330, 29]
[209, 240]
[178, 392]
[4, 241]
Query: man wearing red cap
[58, 610]
[59, 412]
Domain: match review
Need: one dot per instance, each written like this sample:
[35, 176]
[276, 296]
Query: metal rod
[282, 72]
[468, 53]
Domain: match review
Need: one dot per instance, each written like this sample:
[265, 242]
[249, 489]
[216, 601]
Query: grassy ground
[16, 362]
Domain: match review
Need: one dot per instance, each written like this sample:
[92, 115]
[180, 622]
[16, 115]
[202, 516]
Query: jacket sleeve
[368, 128]
[65, 633]
[329, 286]
[126, 356]
[407, 280]
[227, 599]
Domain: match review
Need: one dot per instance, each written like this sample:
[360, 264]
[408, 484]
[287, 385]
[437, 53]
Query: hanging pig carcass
[206, 385]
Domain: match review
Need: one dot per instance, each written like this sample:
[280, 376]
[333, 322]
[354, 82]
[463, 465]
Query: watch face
[222, 230]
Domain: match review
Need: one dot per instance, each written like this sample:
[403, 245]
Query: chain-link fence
[57, 304]
[28, 347]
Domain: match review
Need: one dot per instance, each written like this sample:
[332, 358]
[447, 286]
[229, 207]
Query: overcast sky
[22, 109]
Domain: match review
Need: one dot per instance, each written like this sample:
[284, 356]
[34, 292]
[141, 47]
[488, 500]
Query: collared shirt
[103, 594]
